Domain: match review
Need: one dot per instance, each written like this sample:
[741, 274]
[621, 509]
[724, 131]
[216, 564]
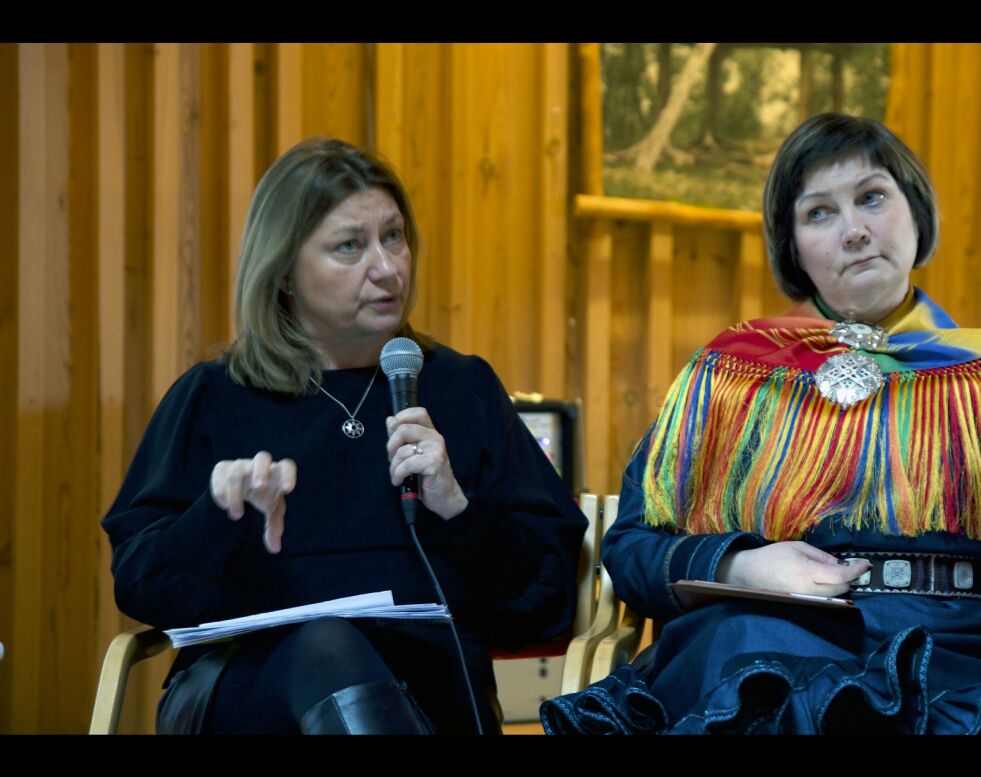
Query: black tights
[278, 674]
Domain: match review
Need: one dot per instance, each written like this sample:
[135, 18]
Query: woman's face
[855, 238]
[351, 277]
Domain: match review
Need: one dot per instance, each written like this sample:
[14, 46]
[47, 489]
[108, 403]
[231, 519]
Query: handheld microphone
[401, 361]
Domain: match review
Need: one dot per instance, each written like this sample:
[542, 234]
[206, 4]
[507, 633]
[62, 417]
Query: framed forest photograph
[700, 123]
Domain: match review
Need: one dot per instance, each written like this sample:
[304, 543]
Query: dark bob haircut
[824, 139]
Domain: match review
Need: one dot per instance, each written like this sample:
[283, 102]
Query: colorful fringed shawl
[746, 442]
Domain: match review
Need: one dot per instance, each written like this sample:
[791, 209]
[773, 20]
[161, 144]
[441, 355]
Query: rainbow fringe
[741, 444]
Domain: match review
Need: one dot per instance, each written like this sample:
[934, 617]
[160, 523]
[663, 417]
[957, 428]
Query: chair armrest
[579, 656]
[619, 647]
[126, 649]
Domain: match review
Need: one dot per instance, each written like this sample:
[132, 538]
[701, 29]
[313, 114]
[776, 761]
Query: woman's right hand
[262, 483]
[791, 567]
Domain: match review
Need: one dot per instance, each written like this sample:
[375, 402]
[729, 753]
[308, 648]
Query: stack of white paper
[375, 605]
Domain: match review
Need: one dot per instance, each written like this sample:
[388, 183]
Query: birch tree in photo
[647, 151]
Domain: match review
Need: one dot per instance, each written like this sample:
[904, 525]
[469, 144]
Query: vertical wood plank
[900, 90]
[390, 97]
[591, 116]
[77, 510]
[628, 330]
[9, 228]
[289, 91]
[486, 166]
[973, 213]
[751, 271]
[941, 151]
[243, 174]
[112, 310]
[164, 279]
[140, 234]
[513, 268]
[332, 91]
[426, 165]
[265, 97]
[908, 114]
[660, 315]
[43, 378]
[909, 93]
[596, 334]
[461, 189]
[554, 208]
[705, 275]
[960, 208]
[177, 199]
[212, 173]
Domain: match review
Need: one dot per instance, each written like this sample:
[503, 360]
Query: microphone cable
[409, 508]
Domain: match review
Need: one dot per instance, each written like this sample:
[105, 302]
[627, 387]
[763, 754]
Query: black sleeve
[170, 540]
[517, 543]
[643, 561]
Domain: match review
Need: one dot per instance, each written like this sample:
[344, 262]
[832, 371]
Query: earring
[289, 288]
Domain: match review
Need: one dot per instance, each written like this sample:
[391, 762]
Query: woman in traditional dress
[834, 452]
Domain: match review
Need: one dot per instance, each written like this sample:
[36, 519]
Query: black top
[507, 564]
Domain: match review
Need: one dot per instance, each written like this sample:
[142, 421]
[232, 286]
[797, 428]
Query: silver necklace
[352, 427]
[848, 378]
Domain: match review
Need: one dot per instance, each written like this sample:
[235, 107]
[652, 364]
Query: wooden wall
[125, 172]
[933, 106]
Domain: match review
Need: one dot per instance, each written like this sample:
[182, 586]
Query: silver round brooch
[848, 378]
[855, 334]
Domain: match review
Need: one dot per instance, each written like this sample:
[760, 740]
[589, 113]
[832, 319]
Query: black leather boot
[369, 708]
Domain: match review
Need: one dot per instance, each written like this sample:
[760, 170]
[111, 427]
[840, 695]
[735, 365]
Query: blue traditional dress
[747, 450]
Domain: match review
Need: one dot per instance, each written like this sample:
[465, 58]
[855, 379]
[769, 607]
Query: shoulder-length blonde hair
[271, 351]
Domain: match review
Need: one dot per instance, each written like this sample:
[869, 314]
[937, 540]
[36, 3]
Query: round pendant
[353, 428]
[848, 378]
[855, 334]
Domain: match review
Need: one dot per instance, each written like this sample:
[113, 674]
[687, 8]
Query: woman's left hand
[416, 448]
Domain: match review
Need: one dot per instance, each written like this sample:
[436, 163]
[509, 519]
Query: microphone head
[401, 356]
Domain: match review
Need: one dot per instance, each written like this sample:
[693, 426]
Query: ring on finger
[416, 448]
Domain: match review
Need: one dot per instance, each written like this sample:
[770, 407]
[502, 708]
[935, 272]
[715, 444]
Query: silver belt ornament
[848, 378]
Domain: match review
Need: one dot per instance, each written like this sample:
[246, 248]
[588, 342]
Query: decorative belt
[927, 574]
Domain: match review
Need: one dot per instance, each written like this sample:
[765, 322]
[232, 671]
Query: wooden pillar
[554, 209]
[596, 325]
[660, 314]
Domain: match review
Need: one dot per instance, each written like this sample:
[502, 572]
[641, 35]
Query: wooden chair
[125, 650]
[619, 627]
[143, 642]
[579, 656]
